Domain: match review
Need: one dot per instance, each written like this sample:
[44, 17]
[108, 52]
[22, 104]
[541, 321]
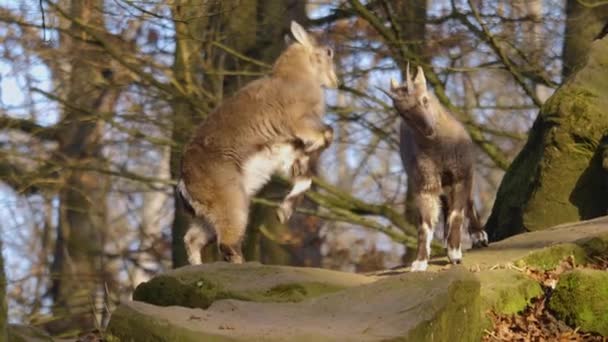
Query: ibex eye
[330, 52]
[425, 101]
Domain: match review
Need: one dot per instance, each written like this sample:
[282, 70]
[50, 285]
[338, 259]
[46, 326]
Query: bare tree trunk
[412, 16]
[3, 316]
[583, 24]
[187, 15]
[269, 241]
[78, 271]
[256, 30]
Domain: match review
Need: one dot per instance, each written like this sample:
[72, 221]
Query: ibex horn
[408, 76]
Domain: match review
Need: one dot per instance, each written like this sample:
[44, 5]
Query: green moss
[201, 292]
[461, 316]
[507, 291]
[583, 251]
[550, 257]
[126, 324]
[297, 292]
[581, 300]
[596, 246]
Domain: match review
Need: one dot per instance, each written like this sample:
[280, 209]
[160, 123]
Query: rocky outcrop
[410, 306]
[252, 302]
[561, 173]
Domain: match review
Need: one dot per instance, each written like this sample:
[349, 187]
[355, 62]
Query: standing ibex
[270, 125]
[437, 154]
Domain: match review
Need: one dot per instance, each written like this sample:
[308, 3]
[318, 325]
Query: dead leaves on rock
[536, 323]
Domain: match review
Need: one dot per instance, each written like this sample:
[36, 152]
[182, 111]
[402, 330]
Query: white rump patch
[199, 210]
[258, 169]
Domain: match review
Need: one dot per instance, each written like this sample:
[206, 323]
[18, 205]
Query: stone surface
[412, 306]
[581, 300]
[199, 286]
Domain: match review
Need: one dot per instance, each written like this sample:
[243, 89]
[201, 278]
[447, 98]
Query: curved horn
[420, 79]
[394, 84]
[408, 76]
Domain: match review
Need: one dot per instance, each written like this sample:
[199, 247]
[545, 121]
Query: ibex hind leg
[428, 206]
[457, 202]
[199, 233]
[229, 216]
[198, 236]
[479, 237]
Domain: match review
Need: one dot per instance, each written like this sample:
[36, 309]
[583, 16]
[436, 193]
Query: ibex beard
[272, 125]
[438, 157]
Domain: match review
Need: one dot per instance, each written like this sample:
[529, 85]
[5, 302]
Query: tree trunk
[3, 314]
[254, 29]
[78, 271]
[269, 241]
[412, 21]
[560, 175]
[583, 24]
[189, 18]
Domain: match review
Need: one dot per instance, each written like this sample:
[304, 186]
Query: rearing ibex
[437, 154]
[270, 125]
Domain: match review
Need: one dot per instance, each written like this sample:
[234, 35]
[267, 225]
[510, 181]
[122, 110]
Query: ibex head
[305, 58]
[413, 102]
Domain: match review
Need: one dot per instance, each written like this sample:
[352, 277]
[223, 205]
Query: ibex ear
[300, 34]
[288, 40]
[420, 80]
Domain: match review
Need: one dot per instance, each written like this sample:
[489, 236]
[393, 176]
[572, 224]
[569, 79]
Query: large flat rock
[254, 302]
[410, 306]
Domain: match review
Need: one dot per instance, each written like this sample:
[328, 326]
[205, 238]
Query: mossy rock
[581, 300]
[558, 176]
[583, 251]
[406, 307]
[200, 286]
[507, 291]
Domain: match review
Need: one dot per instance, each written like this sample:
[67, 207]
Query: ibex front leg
[301, 173]
[428, 206]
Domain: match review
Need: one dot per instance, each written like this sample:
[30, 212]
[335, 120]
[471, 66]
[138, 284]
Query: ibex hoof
[328, 134]
[231, 254]
[283, 214]
[419, 266]
[455, 255]
[480, 239]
